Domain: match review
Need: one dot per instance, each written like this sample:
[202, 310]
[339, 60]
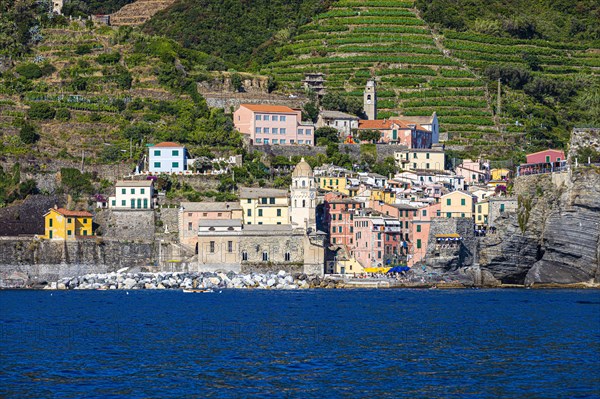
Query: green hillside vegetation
[547, 59]
[242, 33]
[357, 40]
[83, 8]
[99, 90]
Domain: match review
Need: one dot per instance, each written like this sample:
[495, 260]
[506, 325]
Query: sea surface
[304, 344]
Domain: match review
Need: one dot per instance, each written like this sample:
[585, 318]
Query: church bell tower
[370, 99]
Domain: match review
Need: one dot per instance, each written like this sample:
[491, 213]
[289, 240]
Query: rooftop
[269, 108]
[168, 144]
[134, 183]
[68, 213]
[337, 115]
[251, 192]
[210, 206]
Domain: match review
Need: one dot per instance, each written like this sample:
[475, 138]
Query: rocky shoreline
[266, 281]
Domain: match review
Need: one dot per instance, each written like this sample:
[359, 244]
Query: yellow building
[265, 206]
[333, 183]
[482, 212]
[387, 196]
[499, 174]
[421, 159]
[62, 224]
[457, 204]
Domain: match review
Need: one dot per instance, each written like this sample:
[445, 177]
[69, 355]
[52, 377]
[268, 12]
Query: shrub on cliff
[41, 111]
[28, 134]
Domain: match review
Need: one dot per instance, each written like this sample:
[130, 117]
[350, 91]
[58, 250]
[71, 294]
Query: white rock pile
[161, 281]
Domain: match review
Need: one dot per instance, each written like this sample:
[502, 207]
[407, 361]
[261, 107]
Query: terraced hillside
[357, 40]
[104, 92]
[554, 75]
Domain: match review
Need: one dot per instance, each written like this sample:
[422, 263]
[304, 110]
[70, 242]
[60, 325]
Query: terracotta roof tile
[66, 212]
[268, 108]
[168, 144]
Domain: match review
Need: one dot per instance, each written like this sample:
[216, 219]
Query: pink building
[398, 132]
[420, 227]
[191, 213]
[377, 240]
[546, 156]
[474, 172]
[339, 217]
[273, 124]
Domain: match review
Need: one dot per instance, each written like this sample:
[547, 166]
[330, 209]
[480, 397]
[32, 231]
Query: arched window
[295, 203]
[265, 256]
[287, 257]
[244, 255]
[303, 203]
[368, 97]
[303, 183]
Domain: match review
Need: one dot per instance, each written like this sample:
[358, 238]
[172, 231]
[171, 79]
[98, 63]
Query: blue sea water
[318, 343]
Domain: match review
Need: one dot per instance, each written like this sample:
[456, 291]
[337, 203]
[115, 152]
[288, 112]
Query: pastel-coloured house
[167, 157]
[133, 194]
[429, 123]
[265, 205]
[63, 224]
[420, 227]
[546, 156]
[339, 217]
[457, 204]
[191, 213]
[398, 132]
[273, 124]
[474, 172]
[418, 159]
[377, 240]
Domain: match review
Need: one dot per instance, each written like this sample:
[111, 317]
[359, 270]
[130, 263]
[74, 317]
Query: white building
[133, 194]
[167, 157]
[303, 194]
[342, 122]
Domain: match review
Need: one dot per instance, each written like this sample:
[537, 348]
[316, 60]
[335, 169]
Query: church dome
[303, 169]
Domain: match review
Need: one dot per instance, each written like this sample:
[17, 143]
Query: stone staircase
[139, 12]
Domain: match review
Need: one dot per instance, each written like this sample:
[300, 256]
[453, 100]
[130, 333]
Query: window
[414, 155]
[114, 202]
[260, 213]
[292, 141]
[300, 141]
[212, 247]
[266, 141]
[547, 158]
[263, 200]
[257, 130]
[462, 215]
[230, 246]
[190, 228]
[308, 141]
[479, 217]
[257, 117]
[157, 153]
[274, 130]
[84, 232]
[275, 141]
[175, 164]
[265, 256]
[157, 164]
[274, 118]
[244, 255]
[415, 167]
[463, 201]
[265, 117]
[249, 212]
[418, 243]
[249, 201]
[334, 240]
[287, 257]
[133, 191]
[123, 203]
[424, 213]
[175, 153]
[142, 191]
[448, 215]
[282, 130]
[300, 131]
[69, 220]
[278, 212]
[501, 207]
[204, 214]
[427, 155]
[271, 200]
[266, 130]
[448, 201]
[418, 228]
[282, 118]
[282, 141]
[258, 141]
[69, 232]
[308, 132]
[426, 166]
[50, 223]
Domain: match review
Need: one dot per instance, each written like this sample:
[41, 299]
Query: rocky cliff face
[555, 235]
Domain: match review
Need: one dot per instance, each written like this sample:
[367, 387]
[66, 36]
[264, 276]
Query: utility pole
[499, 106]
[82, 159]
[131, 148]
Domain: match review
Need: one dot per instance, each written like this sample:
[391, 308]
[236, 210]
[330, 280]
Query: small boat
[195, 291]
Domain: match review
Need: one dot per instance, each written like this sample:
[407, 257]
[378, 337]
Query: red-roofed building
[546, 156]
[63, 224]
[398, 132]
[273, 124]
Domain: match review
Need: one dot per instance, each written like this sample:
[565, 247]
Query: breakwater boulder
[281, 280]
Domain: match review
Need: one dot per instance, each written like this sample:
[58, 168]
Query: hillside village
[354, 171]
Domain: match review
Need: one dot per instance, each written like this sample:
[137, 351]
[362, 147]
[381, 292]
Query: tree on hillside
[28, 134]
[326, 134]
[371, 136]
